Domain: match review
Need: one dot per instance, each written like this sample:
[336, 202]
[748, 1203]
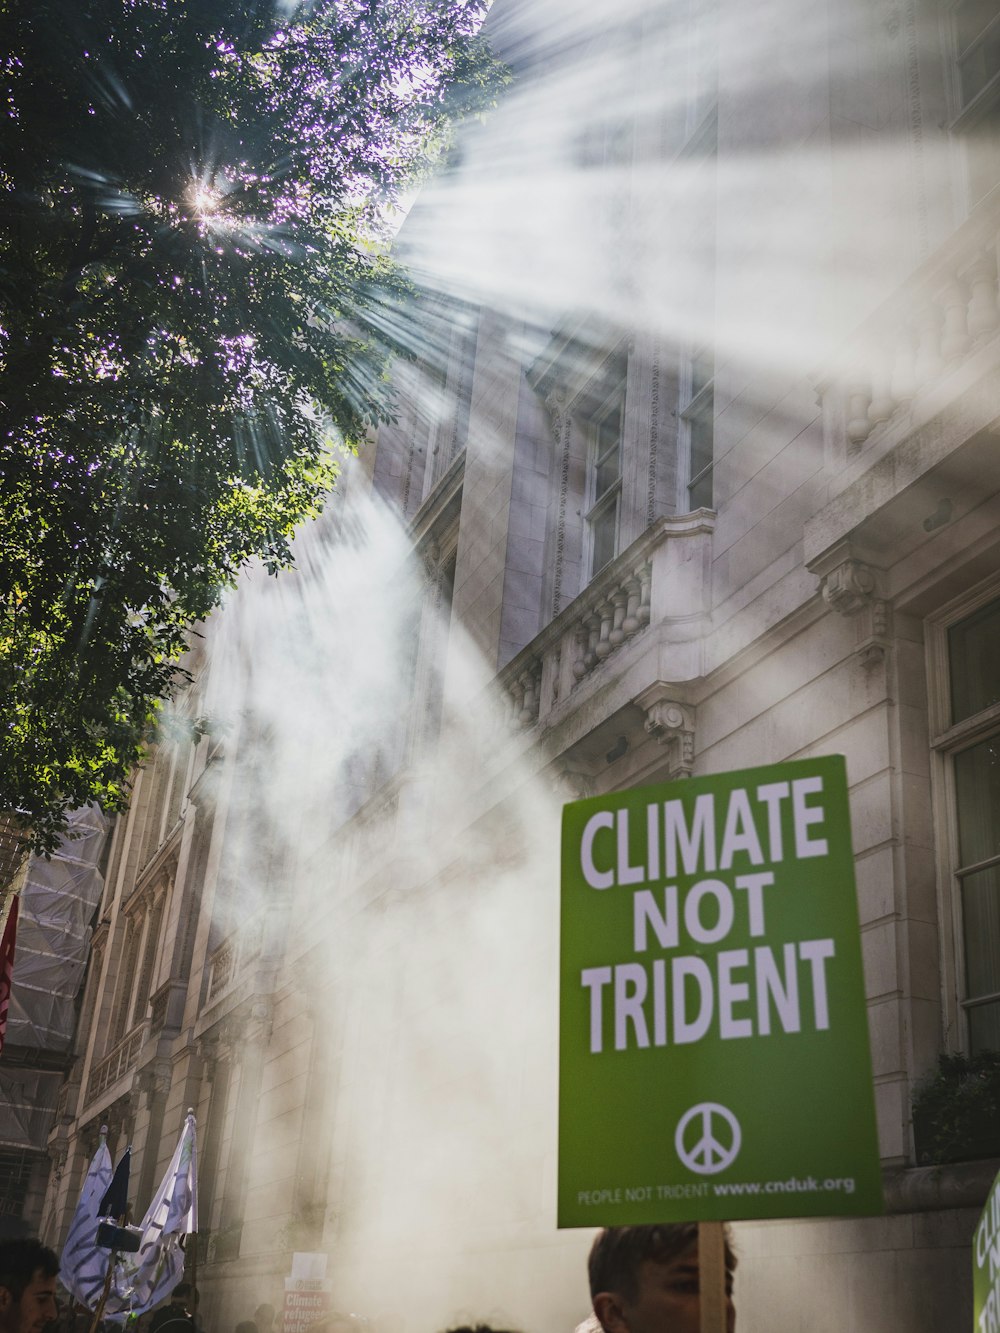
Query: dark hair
[21, 1260]
[477, 1328]
[618, 1252]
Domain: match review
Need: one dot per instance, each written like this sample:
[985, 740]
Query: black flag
[115, 1201]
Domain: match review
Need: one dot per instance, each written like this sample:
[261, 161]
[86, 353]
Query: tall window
[605, 479]
[977, 52]
[973, 650]
[696, 165]
[977, 24]
[699, 420]
[126, 979]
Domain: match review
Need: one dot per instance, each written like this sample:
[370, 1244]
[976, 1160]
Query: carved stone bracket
[153, 1081]
[209, 1051]
[89, 1135]
[570, 782]
[261, 1018]
[57, 1156]
[874, 632]
[849, 587]
[249, 1027]
[670, 720]
[671, 724]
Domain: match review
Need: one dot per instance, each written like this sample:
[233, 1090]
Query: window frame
[597, 506]
[970, 116]
[947, 740]
[971, 108]
[698, 407]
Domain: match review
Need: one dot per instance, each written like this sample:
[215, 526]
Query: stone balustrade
[223, 967]
[660, 577]
[935, 324]
[612, 616]
[234, 954]
[117, 1062]
[522, 695]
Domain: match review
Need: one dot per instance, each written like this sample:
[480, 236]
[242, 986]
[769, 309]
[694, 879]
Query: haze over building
[696, 468]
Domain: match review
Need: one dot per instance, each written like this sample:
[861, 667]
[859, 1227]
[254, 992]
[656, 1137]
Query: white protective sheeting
[53, 936]
[27, 1105]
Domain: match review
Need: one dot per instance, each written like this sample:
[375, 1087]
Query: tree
[196, 310]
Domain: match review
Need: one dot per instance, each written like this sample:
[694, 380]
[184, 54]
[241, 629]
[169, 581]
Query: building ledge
[919, 1189]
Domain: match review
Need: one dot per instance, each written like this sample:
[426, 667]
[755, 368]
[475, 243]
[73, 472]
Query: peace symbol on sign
[714, 1148]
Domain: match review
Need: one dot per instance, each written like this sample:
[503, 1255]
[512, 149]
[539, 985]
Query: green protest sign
[714, 1057]
[986, 1266]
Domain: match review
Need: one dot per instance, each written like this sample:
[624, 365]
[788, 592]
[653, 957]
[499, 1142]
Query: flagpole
[194, 1281]
[194, 1268]
[116, 1202]
[99, 1312]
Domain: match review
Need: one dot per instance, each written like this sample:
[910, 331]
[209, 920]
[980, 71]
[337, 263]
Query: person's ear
[609, 1311]
[6, 1299]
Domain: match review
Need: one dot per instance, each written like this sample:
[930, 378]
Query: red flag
[7, 966]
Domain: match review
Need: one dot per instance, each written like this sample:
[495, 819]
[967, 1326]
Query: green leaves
[196, 312]
[956, 1109]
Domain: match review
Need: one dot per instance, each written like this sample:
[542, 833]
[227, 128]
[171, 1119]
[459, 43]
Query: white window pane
[604, 529]
[974, 659]
[977, 791]
[981, 920]
[984, 1028]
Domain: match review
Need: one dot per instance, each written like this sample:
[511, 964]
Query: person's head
[263, 1316]
[184, 1295]
[645, 1279]
[478, 1328]
[27, 1286]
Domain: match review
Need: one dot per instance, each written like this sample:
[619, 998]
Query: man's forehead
[40, 1280]
[685, 1259]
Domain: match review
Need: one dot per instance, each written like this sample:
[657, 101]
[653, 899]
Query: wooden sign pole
[712, 1276]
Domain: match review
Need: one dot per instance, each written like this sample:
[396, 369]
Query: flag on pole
[115, 1201]
[7, 965]
[144, 1279]
[83, 1265]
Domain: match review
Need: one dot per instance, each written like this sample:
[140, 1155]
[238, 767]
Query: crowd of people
[642, 1280]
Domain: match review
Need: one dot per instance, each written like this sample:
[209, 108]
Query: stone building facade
[705, 480]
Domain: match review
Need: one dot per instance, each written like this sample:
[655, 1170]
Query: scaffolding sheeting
[27, 1106]
[53, 936]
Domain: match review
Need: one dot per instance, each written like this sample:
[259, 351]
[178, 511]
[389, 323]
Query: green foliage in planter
[956, 1110]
